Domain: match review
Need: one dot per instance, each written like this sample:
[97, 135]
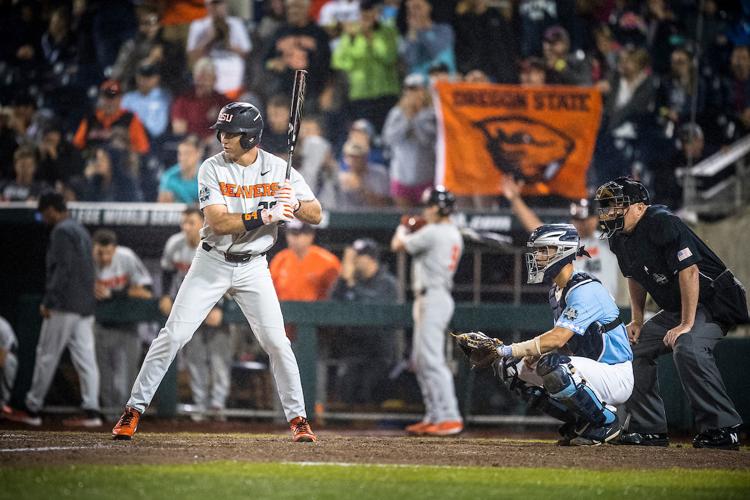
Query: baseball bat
[487, 238]
[295, 115]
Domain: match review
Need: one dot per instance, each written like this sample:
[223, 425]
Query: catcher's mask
[552, 247]
[441, 197]
[614, 199]
[240, 118]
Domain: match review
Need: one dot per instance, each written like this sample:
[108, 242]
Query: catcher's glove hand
[479, 348]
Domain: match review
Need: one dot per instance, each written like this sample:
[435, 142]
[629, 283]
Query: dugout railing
[309, 317]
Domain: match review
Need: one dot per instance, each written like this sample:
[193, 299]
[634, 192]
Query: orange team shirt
[138, 136]
[182, 11]
[308, 279]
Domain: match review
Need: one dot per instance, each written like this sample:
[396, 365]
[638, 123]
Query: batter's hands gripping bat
[295, 115]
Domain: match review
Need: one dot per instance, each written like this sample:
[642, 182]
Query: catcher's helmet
[441, 197]
[614, 198]
[240, 118]
[541, 263]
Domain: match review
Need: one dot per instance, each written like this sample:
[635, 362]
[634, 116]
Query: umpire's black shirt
[661, 246]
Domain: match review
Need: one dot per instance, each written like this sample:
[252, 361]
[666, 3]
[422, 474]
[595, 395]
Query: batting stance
[436, 249]
[583, 364]
[243, 195]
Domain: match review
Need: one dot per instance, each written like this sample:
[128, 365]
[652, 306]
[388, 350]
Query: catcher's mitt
[413, 222]
[479, 348]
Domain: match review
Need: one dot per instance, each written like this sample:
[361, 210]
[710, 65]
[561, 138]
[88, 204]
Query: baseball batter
[436, 249]
[243, 195]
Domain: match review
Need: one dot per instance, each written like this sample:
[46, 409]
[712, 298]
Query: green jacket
[370, 65]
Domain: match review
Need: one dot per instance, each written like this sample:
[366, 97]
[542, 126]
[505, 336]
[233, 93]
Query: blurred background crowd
[110, 100]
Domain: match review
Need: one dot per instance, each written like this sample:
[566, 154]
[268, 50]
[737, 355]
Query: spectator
[24, 187]
[58, 46]
[533, 72]
[477, 76]
[303, 271]
[535, 16]
[149, 47]
[363, 132]
[368, 353]
[485, 41]
[149, 102]
[176, 17]
[68, 312]
[410, 131]
[661, 31]
[8, 364]
[564, 68]
[675, 94]
[208, 354]
[364, 184]
[738, 88]
[108, 177]
[119, 274]
[426, 43]
[196, 110]
[179, 183]
[368, 53]
[96, 129]
[316, 163]
[60, 161]
[224, 39]
[298, 44]
[277, 124]
[335, 15]
[605, 54]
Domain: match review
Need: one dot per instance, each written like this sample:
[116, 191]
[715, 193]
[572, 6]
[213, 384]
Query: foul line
[50, 448]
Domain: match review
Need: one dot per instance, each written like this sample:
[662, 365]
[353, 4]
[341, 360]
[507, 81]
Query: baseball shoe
[127, 425]
[445, 428]
[594, 436]
[91, 418]
[643, 439]
[417, 429]
[725, 438]
[567, 433]
[22, 416]
[301, 431]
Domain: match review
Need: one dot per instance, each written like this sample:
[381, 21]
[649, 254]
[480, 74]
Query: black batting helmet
[240, 118]
[441, 197]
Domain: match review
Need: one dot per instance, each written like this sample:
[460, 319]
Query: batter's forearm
[689, 292]
[309, 211]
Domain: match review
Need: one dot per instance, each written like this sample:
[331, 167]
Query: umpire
[699, 299]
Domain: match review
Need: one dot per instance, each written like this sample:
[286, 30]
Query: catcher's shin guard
[566, 386]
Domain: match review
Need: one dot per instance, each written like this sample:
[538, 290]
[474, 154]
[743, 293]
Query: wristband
[528, 348]
[299, 205]
[252, 220]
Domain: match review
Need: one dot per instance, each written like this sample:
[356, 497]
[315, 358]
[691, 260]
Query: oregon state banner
[543, 135]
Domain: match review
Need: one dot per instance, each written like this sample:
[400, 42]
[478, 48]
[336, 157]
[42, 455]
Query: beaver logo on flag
[526, 148]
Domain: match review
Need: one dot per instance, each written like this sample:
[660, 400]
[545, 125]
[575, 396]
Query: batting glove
[281, 212]
[286, 194]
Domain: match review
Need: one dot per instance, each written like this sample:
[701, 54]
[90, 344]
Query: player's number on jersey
[455, 255]
[266, 204]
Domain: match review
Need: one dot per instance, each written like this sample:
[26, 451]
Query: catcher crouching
[579, 370]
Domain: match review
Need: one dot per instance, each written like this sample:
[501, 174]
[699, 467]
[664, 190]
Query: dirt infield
[27, 448]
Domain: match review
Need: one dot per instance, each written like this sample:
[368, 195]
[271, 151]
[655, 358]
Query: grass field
[221, 480]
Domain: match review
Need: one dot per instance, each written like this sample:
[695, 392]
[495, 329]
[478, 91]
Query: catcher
[580, 369]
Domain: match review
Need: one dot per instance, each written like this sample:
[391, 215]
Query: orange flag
[543, 135]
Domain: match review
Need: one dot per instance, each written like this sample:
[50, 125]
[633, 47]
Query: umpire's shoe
[127, 425]
[301, 431]
[643, 439]
[726, 438]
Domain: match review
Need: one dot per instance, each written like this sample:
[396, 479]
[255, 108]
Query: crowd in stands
[111, 100]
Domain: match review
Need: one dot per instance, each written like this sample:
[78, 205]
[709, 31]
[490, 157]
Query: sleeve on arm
[582, 309]
[209, 192]
[419, 241]
[139, 275]
[302, 190]
[679, 243]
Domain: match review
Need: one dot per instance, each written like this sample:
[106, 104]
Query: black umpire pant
[696, 367]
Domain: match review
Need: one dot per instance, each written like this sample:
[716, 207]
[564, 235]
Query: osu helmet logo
[225, 117]
[526, 148]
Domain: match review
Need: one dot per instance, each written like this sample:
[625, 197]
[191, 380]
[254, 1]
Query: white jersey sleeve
[134, 267]
[209, 191]
[170, 249]
[421, 240]
[301, 188]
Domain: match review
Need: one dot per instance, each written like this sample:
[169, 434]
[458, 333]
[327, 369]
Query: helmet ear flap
[246, 142]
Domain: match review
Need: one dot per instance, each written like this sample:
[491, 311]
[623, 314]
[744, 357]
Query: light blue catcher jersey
[584, 307]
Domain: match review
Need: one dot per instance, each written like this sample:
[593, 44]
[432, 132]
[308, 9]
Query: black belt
[610, 326]
[234, 258]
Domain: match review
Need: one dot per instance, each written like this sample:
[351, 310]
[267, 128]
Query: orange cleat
[301, 431]
[417, 429]
[445, 428]
[127, 425]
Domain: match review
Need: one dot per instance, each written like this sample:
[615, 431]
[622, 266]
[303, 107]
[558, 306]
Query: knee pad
[549, 362]
[539, 399]
[568, 388]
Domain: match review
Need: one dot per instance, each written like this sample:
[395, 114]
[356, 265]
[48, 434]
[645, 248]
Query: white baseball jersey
[125, 270]
[7, 337]
[602, 265]
[436, 250]
[177, 257]
[244, 190]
